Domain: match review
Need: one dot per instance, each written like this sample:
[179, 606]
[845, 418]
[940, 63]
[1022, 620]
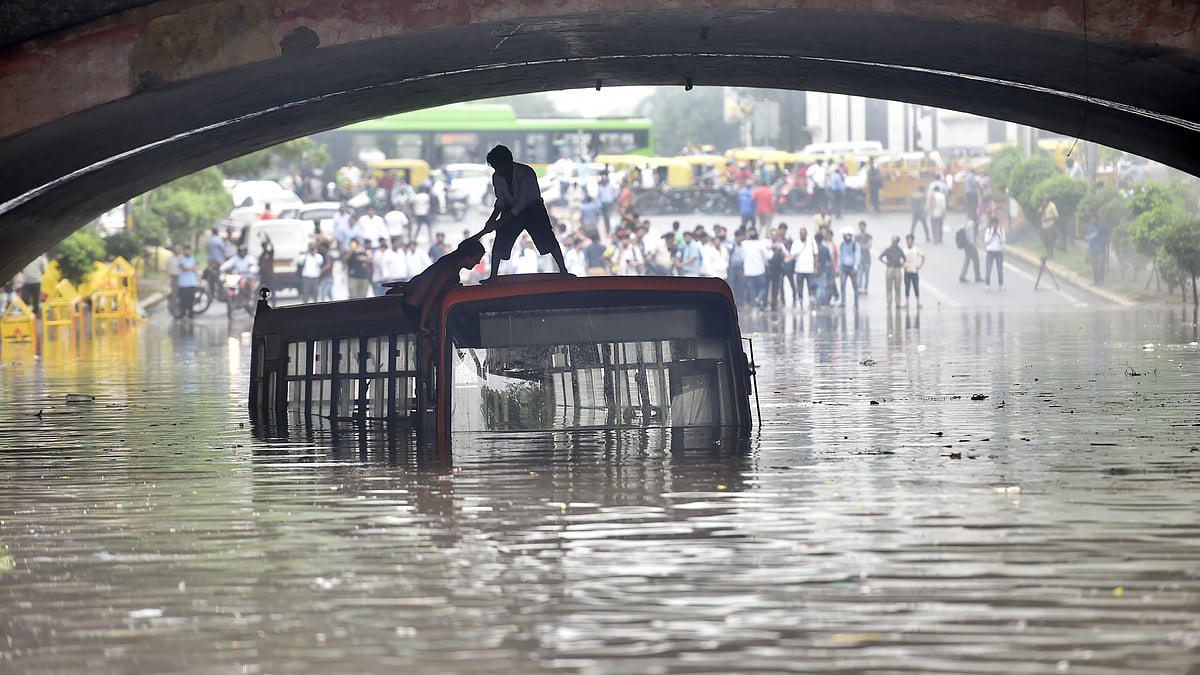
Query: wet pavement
[985, 490]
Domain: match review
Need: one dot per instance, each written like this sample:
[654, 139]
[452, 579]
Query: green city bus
[464, 132]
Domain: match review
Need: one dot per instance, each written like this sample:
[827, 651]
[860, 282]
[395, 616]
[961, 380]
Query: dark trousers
[970, 256]
[774, 288]
[838, 198]
[998, 258]
[918, 218]
[1099, 262]
[803, 281]
[737, 284]
[31, 294]
[756, 288]
[936, 224]
[187, 298]
[850, 273]
[912, 281]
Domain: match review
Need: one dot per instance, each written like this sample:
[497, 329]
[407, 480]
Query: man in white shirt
[914, 260]
[630, 260]
[343, 230]
[576, 260]
[804, 253]
[714, 261]
[937, 212]
[818, 181]
[527, 260]
[370, 227]
[519, 208]
[754, 266]
[396, 222]
[381, 255]
[310, 263]
[418, 260]
[422, 206]
[394, 263]
[563, 171]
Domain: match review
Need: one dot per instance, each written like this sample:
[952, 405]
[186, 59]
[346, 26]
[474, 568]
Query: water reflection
[974, 491]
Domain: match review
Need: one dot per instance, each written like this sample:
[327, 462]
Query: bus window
[561, 369]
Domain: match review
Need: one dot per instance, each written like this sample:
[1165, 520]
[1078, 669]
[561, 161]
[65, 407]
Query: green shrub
[1105, 206]
[1064, 191]
[77, 254]
[1181, 243]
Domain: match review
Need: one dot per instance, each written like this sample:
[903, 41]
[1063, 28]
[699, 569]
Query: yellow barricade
[109, 304]
[17, 324]
[63, 309]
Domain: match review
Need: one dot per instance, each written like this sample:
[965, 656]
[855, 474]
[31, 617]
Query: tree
[77, 254]
[1000, 166]
[124, 243]
[681, 117]
[1065, 192]
[1024, 178]
[1104, 207]
[1154, 208]
[1181, 242]
[178, 211]
[299, 154]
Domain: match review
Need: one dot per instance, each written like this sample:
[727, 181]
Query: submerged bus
[464, 132]
[528, 353]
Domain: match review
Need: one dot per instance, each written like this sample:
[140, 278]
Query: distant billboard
[738, 104]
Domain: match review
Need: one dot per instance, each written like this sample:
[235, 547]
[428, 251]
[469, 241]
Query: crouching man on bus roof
[423, 292]
[519, 206]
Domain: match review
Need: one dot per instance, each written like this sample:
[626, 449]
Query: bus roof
[487, 117]
[515, 285]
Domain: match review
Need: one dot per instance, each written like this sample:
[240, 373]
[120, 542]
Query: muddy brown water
[884, 518]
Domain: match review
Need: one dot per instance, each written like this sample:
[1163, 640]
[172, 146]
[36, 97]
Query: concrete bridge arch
[105, 100]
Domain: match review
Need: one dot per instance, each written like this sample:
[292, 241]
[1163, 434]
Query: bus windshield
[580, 368]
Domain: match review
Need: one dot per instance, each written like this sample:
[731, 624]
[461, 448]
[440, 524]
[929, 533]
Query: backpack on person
[960, 238]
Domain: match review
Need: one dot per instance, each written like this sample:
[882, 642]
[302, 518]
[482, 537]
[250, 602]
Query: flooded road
[955, 491]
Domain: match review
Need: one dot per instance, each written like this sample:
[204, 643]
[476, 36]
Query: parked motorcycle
[717, 201]
[458, 206]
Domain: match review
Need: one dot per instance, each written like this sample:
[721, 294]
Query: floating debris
[867, 362]
[148, 613]
[979, 397]
[80, 398]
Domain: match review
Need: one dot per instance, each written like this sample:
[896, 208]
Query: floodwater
[880, 519]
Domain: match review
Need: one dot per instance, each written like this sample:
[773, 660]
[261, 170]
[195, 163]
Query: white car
[320, 212]
[471, 181]
[289, 237]
[251, 197]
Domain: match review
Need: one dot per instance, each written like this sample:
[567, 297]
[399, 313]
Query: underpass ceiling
[55, 177]
[22, 20]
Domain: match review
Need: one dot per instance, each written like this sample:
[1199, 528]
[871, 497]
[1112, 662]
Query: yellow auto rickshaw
[668, 171]
[414, 171]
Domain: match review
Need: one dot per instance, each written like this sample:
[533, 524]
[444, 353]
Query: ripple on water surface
[989, 492]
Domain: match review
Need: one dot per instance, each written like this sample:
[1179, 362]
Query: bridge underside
[55, 177]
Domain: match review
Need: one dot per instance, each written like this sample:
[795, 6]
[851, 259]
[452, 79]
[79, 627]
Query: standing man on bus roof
[519, 207]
